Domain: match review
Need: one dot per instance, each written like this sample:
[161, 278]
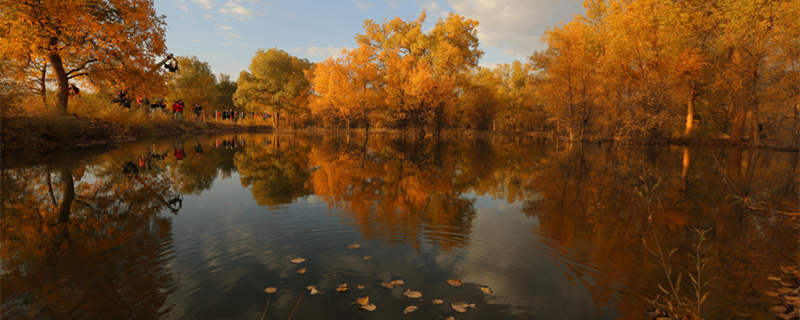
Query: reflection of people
[180, 154]
[129, 168]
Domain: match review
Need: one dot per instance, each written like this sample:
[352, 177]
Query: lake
[197, 228]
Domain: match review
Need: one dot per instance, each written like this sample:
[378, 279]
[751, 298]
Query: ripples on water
[198, 228]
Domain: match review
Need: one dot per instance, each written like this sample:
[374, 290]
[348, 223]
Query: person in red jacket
[177, 109]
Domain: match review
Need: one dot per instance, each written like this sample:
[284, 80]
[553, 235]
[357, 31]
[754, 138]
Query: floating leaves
[455, 282]
[438, 301]
[298, 260]
[363, 301]
[367, 257]
[341, 288]
[270, 290]
[354, 246]
[410, 309]
[369, 307]
[461, 306]
[312, 289]
[450, 318]
[302, 271]
[393, 283]
[486, 290]
[412, 294]
[360, 287]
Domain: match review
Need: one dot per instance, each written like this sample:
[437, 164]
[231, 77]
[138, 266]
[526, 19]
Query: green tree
[275, 82]
[194, 82]
[225, 88]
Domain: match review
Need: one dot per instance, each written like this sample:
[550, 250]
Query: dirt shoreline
[22, 132]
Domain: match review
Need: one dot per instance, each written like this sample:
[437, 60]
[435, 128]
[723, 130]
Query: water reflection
[176, 229]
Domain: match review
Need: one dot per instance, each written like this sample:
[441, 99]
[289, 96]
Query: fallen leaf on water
[392, 284]
[298, 260]
[342, 287]
[270, 290]
[354, 246]
[369, 307]
[455, 282]
[773, 278]
[412, 294]
[302, 271]
[461, 306]
[438, 301]
[313, 289]
[363, 301]
[486, 290]
[450, 318]
[410, 309]
[367, 257]
[360, 287]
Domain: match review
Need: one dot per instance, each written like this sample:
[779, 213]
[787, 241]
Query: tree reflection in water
[94, 236]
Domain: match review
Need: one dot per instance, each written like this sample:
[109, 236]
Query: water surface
[197, 228]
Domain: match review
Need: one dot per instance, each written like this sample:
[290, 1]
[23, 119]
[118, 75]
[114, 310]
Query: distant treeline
[645, 70]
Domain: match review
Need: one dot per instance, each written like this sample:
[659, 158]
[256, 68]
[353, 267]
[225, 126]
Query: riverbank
[57, 131]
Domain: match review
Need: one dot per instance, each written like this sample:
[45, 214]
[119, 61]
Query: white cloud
[516, 26]
[233, 8]
[363, 5]
[434, 10]
[205, 4]
[184, 8]
[224, 27]
[316, 53]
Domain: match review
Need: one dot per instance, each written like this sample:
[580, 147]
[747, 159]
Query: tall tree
[276, 82]
[194, 82]
[101, 39]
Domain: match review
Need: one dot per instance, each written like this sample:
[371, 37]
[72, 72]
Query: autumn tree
[421, 71]
[194, 82]
[101, 40]
[348, 87]
[275, 82]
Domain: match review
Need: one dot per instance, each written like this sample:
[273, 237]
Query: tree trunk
[43, 85]
[63, 86]
[68, 189]
[689, 114]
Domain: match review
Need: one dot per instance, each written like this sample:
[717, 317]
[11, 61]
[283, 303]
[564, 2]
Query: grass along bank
[51, 131]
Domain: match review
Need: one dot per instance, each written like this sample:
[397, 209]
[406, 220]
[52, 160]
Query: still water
[198, 228]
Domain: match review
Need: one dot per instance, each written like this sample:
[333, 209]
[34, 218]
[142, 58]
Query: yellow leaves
[363, 301]
[312, 290]
[270, 290]
[454, 282]
[437, 301]
[485, 289]
[412, 294]
[298, 260]
[461, 306]
[342, 288]
[302, 271]
[353, 246]
[410, 309]
[393, 283]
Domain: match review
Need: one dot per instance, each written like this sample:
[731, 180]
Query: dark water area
[198, 228]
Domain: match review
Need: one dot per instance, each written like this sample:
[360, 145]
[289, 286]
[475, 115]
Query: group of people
[178, 107]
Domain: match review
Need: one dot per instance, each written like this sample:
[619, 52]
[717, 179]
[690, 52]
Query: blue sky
[226, 33]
